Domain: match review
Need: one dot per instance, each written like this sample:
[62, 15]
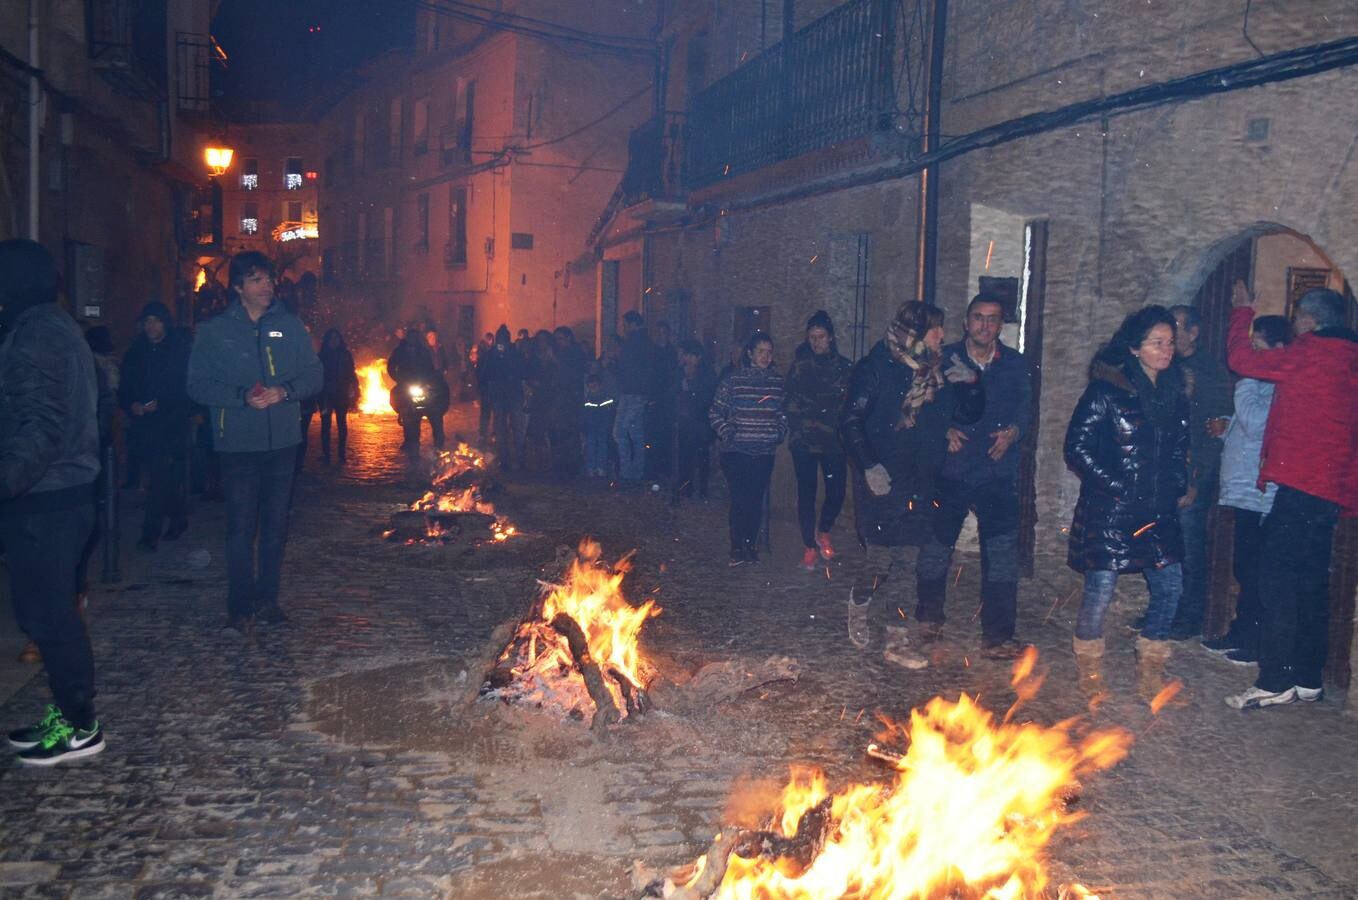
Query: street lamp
[218, 159]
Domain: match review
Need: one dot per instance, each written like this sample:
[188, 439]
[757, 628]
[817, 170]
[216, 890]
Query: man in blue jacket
[251, 367]
[980, 476]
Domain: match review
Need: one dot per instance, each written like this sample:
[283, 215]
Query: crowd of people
[927, 433]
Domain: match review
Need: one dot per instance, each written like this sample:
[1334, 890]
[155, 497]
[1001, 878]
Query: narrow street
[334, 756]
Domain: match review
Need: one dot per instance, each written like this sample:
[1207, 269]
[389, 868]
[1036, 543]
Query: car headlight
[416, 392]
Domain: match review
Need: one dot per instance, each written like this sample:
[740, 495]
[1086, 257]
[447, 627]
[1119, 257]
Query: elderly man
[1311, 452]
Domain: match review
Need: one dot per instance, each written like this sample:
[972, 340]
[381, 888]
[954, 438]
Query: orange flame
[1167, 693]
[375, 399]
[973, 805]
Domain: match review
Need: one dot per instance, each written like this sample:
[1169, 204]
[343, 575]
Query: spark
[988, 253]
[1060, 604]
[959, 576]
[859, 716]
[816, 257]
[900, 612]
[1143, 529]
[1167, 693]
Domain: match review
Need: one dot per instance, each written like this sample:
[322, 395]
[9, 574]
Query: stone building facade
[1160, 197]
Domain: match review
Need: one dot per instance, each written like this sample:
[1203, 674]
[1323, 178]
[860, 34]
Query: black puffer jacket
[1132, 474]
[816, 386]
[913, 457]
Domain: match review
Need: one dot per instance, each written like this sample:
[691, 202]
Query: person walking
[339, 393]
[1128, 442]
[501, 377]
[816, 387]
[49, 459]
[152, 395]
[747, 415]
[571, 363]
[251, 366]
[980, 476]
[903, 397]
[692, 430]
[1310, 452]
[635, 382]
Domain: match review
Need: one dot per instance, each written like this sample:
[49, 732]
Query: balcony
[829, 82]
[655, 160]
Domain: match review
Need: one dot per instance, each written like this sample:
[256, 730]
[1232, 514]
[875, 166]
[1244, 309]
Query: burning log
[605, 712]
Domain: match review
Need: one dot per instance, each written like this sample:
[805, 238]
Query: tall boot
[1089, 663]
[932, 594]
[1151, 657]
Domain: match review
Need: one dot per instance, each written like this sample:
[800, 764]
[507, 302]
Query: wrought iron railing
[108, 23]
[829, 82]
[655, 160]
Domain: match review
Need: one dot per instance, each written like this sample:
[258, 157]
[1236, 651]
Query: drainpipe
[34, 119]
[927, 263]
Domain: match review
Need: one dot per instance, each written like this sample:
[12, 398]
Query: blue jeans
[1166, 585]
[1193, 523]
[629, 431]
[596, 450]
[258, 488]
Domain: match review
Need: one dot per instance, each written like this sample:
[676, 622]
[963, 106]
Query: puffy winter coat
[913, 457]
[159, 372]
[1240, 455]
[1311, 440]
[1132, 474]
[816, 388]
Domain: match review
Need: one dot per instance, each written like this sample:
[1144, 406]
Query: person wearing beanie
[153, 397]
[49, 458]
[816, 387]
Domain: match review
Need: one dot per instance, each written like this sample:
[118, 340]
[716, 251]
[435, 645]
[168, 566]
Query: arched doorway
[1279, 265]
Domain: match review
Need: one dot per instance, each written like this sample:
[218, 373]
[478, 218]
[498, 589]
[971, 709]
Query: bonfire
[969, 812]
[578, 653]
[374, 389]
[461, 483]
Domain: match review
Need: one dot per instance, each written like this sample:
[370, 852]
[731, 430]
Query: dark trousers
[258, 487]
[1247, 548]
[483, 420]
[807, 465]
[747, 478]
[659, 426]
[410, 428]
[694, 451]
[341, 417]
[165, 500]
[509, 441]
[42, 551]
[997, 512]
[1193, 523]
[1294, 577]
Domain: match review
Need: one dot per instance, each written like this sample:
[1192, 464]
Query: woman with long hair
[339, 392]
[1128, 442]
[747, 415]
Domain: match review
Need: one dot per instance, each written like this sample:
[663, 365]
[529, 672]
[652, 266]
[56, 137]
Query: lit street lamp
[218, 159]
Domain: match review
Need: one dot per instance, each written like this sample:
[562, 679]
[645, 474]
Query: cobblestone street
[333, 757]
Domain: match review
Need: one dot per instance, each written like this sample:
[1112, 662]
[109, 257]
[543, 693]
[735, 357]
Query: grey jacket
[49, 435]
[1243, 444]
[231, 355]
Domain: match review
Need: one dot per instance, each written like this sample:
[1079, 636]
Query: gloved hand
[879, 480]
[959, 372]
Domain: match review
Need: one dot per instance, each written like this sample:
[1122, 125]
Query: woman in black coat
[1128, 442]
[339, 391]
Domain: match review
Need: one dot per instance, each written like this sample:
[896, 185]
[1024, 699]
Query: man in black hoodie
[49, 457]
[153, 395]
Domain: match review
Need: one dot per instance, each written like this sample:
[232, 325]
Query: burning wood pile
[969, 812]
[577, 653]
[458, 503]
[374, 390]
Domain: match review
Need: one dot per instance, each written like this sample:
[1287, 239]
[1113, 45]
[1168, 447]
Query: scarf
[927, 366]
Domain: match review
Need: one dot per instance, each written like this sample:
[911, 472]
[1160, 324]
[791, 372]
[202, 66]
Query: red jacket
[1311, 439]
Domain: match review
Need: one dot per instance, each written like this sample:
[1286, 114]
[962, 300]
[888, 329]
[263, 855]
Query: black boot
[932, 594]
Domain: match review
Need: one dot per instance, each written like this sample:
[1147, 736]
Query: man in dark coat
[49, 458]
[500, 373]
[903, 396]
[692, 430]
[413, 365]
[980, 476]
[153, 395]
[636, 380]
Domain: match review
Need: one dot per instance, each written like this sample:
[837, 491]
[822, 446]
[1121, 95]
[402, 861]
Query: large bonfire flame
[542, 666]
[375, 399]
[971, 809]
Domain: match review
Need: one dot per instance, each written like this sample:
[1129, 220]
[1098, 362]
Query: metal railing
[829, 82]
[655, 160]
[193, 56]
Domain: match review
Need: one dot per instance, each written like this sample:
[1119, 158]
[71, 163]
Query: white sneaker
[1309, 695]
[899, 652]
[1257, 698]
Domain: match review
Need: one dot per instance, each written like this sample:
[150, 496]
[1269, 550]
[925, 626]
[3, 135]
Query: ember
[579, 651]
[970, 812]
[459, 498]
[375, 399]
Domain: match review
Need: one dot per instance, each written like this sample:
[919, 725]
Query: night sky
[291, 51]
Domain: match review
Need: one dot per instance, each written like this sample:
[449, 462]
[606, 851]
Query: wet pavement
[338, 756]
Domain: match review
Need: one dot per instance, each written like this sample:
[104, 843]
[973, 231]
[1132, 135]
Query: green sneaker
[31, 736]
[63, 741]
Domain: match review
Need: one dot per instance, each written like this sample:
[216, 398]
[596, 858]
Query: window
[389, 231]
[422, 223]
[455, 254]
[520, 240]
[292, 211]
[421, 116]
[457, 141]
[292, 173]
[249, 175]
[361, 245]
[394, 134]
[249, 218]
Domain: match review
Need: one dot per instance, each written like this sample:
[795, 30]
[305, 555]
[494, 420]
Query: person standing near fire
[251, 366]
[903, 397]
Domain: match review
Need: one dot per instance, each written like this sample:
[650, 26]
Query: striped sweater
[747, 412]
